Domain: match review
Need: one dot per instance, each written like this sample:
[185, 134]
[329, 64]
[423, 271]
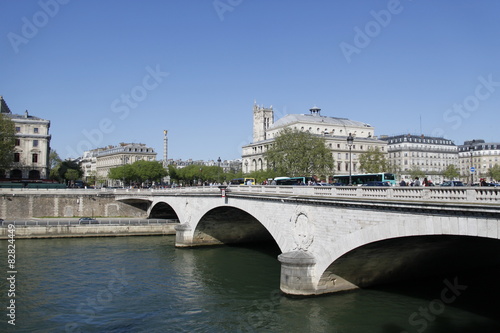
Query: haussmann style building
[32, 146]
[480, 156]
[96, 163]
[431, 155]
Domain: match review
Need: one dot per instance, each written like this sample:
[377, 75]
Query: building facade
[96, 163]
[432, 155]
[335, 130]
[32, 145]
[481, 156]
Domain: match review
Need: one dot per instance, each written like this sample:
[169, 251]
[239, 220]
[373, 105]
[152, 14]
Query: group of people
[416, 182]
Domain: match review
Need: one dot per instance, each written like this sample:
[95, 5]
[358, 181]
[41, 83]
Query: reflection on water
[145, 284]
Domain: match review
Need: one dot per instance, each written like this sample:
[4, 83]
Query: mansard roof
[316, 119]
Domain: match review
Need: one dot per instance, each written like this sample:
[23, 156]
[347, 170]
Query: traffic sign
[472, 169]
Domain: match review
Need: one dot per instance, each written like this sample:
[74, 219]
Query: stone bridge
[340, 238]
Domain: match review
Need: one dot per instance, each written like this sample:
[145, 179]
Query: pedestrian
[426, 182]
[402, 182]
[416, 182]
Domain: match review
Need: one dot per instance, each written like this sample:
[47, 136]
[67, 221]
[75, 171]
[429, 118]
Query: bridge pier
[297, 273]
[298, 276]
[183, 235]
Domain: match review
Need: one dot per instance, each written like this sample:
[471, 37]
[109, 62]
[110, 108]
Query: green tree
[139, 171]
[373, 161]
[71, 175]
[416, 172]
[7, 142]
[298, 153]
[59, 171]
[54, 159]
[451, 172]
[149, 171]
[494, 172]
[124, 173]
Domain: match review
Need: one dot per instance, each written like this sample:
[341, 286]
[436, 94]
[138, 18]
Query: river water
[145, 284]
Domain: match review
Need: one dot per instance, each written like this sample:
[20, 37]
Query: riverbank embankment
[67, 228]
[17, 204]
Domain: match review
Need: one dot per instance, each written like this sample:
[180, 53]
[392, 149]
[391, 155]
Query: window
[35, 143]
[17, 157]
[18, 142]
[18, 129]
[34, 158]
[35, 130]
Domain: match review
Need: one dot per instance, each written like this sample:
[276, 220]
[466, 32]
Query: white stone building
[98, 162]
[432, 155]
[478, 154]
[335, 130]
[32, 146]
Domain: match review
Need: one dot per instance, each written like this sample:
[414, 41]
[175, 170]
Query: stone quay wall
[18, 204]
[63, 231]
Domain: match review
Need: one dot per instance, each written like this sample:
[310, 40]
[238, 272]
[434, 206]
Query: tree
[139, 171]
[298, 153]
[451, 172]
[494, 172]
[59, 171]
[54, 159]
[7, 142]
[373, 161]
[71, 175]
[149, 170]
[416, 172]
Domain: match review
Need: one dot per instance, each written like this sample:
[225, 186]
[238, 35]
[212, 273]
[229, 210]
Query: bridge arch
[162, 210]
[229, 225]
[404, 249]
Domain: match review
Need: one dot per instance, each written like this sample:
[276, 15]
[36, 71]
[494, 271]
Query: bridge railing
[91, 191]
[452, 194]
[455, 194]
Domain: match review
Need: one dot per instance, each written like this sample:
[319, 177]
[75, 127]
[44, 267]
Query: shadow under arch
[230, 225]
[414, 257]
[162, 210]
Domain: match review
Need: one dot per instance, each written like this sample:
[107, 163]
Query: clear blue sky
[124, 71]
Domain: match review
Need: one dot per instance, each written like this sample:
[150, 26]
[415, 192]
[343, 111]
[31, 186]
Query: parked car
[452, 183]
[87, 220]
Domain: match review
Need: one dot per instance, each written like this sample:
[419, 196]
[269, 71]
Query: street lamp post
[350, 139]
[218, 170]
[471, 150]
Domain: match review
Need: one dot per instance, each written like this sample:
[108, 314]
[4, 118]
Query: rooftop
[316, 119]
